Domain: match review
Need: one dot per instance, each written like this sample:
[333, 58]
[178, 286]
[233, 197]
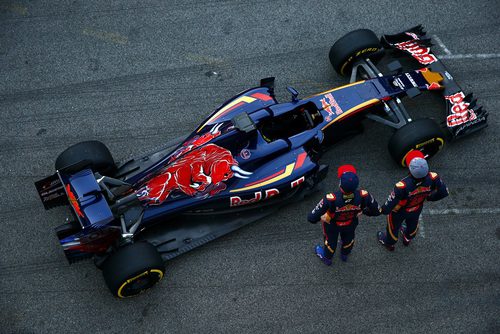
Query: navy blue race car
[248, 158]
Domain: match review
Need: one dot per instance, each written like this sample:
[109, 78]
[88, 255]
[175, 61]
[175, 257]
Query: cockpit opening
[300, 119]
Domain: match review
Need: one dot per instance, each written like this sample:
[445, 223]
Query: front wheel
[351, 47]
[133, 269]
[424, 135]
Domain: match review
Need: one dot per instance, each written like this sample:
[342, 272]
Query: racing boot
[381, 239]
[320, 252]
[406, 241]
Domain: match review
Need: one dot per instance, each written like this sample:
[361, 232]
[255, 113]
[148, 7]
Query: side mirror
[294, 93]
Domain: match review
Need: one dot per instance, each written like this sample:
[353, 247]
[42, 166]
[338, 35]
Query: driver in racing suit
[406, 201]
[339, 213]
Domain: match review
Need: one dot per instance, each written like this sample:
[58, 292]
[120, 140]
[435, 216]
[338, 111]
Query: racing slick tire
[421, 134]
[350, 47]
[133, 269]
[93, 154]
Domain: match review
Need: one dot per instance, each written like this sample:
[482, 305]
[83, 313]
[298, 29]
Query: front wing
[464, 114]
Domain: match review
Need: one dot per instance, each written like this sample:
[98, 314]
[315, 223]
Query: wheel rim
[429, 148]
[140, 283]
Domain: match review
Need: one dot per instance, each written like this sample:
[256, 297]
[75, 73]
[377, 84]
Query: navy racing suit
[339, 213]
[406, 201]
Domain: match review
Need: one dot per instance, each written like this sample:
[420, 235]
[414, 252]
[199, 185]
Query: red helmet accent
[413, 154]
[344, 169]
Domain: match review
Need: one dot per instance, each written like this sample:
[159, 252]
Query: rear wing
[464, 114]
[79, 190]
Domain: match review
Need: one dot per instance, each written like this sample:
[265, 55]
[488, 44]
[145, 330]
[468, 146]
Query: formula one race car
[248, 158]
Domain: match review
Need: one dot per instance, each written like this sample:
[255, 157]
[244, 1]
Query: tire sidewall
[130, 263]
[93, 154]
[421, 134]
[351, 47]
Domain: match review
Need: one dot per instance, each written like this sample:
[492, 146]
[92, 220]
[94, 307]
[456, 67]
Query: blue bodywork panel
[86, 199]
[202, 171]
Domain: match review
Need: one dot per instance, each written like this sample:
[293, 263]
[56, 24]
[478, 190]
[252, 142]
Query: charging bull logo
[200, 172]
[197, 141]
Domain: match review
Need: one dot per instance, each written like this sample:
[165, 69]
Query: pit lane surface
[137, 74]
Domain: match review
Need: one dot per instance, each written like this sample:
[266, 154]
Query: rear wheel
[133, 269]
[93, 154]
[351, 47]
[424, 135]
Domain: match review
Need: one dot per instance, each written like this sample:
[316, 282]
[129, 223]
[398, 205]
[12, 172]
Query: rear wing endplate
[51, 191]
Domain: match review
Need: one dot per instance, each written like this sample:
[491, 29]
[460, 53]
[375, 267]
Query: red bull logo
[257, 197]
[421, 53]
[327, 102]
[460, 110]
[201, 171]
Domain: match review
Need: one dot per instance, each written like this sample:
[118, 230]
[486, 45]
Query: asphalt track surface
[137, 74]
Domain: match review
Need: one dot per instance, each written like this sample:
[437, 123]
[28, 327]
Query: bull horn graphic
[194, 185]
[215, 129]
[240, 176]
[240, 171]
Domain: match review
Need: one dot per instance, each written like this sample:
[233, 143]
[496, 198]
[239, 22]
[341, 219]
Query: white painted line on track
[441, 44]
[462, 211]
[449, 55]
[471, 56]
[421, 230]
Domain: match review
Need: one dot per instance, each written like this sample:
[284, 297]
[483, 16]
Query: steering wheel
[307, 116]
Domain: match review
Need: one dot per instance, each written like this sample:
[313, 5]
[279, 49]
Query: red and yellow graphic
[74, 201]
[283, 173]
[433, 78]
[235, 104]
